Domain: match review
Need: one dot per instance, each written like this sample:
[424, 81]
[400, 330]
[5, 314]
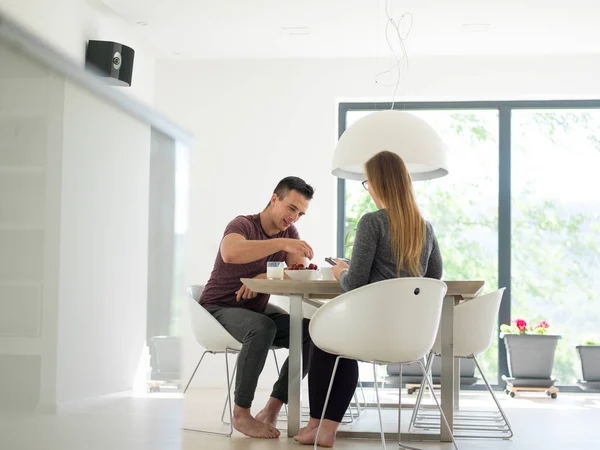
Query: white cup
[275, 270]
[327, 273]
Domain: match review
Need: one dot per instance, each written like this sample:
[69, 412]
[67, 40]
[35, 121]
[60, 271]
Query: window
[517, 206]
[555, 227]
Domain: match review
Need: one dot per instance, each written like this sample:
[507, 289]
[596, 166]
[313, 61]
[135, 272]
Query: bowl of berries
[299, 272]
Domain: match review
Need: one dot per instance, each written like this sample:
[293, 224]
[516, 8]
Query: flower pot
[530, 355]
[590, 361]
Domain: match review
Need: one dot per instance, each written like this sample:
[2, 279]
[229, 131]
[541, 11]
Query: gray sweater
[373, 259]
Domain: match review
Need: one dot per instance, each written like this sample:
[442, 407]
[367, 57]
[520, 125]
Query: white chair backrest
[388, 321]
[474, 324]
[209, 333]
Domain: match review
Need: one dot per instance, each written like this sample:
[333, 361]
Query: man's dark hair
[293, 184]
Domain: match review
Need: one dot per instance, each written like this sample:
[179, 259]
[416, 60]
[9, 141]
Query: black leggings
[342, 391]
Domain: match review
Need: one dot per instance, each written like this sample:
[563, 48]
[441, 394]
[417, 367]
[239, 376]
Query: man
[249, 242]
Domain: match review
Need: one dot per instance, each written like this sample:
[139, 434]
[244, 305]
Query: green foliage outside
[555, 219]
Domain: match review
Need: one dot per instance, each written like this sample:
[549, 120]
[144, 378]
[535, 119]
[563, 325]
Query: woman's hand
[339, 268]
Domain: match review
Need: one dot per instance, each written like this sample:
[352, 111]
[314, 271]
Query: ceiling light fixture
[409, 136]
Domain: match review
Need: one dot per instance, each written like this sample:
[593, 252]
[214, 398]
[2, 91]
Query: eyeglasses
[366, 184]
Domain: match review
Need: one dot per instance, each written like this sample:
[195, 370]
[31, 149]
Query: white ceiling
[355, 28]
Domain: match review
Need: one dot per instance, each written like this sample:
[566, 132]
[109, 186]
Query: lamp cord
[398, 58]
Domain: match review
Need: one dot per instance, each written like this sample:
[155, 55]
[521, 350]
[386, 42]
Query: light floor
[120, 422]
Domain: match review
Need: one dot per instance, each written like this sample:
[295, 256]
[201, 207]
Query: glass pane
[462, 207]
[555, 227]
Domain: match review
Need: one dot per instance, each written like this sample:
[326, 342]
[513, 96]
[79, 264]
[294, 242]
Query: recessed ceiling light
[476, 27]
[296, 31]
[141, 23]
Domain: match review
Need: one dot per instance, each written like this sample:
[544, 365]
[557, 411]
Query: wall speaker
[110, 60]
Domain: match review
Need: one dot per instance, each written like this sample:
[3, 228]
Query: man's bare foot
[326, 437]
[267, 417]
[270, 412]
[248, 425]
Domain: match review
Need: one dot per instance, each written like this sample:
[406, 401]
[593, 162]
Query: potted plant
[530, 352]
[589, 355]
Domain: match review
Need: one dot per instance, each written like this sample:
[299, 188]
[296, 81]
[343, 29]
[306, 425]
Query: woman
[393, 242]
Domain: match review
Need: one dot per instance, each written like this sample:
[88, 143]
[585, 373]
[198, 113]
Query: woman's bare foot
[312, 424]
[326, 436]
[248, 425]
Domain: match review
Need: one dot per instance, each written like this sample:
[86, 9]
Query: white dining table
[318, 291]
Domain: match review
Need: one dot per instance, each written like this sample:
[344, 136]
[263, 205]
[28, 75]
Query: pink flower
[542, 324]
[521, 325]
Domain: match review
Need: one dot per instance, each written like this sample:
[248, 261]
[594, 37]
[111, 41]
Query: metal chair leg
[335, 366]
[231, 383]
[362, 391]
[228, 400]
[357, 404]
[400, 444]
[438, 404]
[195, 370]
[494, 397]
[420, 393]
[484, 424]
[378, 408]
[229, 392]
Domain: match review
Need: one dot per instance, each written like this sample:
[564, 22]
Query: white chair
[215, 339]
[392, 321]
[474, 325]
[308, 311]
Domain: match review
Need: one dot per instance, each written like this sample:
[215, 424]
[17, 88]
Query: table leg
[456, 383]
[447, 376]
[295, 366]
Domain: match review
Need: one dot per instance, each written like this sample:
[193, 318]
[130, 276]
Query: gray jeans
[258, 332]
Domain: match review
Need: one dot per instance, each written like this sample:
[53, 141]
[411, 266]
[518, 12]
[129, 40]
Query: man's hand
[244, 293]
[298, 247]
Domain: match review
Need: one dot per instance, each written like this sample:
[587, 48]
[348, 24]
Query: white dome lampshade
[417, 143]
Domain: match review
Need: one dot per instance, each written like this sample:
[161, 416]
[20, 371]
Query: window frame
[504, 109]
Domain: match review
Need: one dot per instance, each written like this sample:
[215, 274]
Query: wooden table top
[463, 289]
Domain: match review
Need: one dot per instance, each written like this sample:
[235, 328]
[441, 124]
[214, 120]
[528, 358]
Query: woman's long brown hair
[391, 183]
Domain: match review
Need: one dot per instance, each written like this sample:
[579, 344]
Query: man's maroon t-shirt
[225, 278]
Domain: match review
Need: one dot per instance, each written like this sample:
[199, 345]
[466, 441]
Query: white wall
[104, 247]
[257, 121]
[98, 307]
[67, 25]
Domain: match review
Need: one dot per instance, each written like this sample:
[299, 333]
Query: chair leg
[494, 397]
[229, 392]
[357, 404]
[362, 391]
[195, 370]
[378, 407]
[438, 404]
[335, 366]
[228, 399]
[400, 444]
[420, 393]
[230, 384]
